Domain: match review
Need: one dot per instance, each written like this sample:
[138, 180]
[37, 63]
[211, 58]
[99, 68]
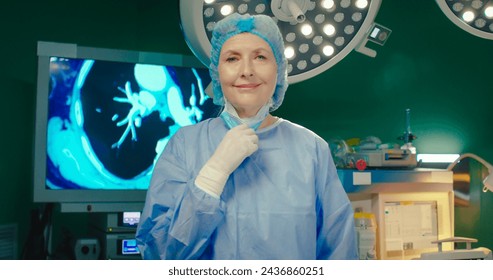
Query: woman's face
[247, 73]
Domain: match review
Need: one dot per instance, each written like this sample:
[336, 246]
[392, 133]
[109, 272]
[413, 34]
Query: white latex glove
[238, 143]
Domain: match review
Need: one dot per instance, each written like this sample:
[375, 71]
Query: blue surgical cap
[260, 25]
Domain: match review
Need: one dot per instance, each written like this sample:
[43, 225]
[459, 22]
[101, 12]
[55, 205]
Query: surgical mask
[231, 118]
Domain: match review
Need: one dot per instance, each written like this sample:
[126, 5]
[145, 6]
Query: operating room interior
[427, 86]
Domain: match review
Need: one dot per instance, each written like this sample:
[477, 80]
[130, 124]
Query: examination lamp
[475, 17]
[488, 181]
[317, 34]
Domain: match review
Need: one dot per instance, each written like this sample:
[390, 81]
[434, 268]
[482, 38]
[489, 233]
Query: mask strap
[231, 118]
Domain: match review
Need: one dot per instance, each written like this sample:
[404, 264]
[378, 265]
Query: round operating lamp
[317, 34]
[475, 17]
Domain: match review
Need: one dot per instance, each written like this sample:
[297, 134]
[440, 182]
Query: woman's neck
[268, 121]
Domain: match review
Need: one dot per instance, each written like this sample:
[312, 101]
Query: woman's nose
[247, 69]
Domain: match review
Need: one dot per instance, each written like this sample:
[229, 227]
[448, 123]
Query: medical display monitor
[103, 118]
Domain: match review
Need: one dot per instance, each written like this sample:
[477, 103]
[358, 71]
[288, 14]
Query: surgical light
[306, 29]
[329, 29]
[328, 50]
[317, 34]
[488, 12]
[327, 4]
[226, 10]
[468, 16]
[475, 17]
[361, 4]
[488, 181]
[289, 52]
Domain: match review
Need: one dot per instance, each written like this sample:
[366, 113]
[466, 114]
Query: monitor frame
[87, 200]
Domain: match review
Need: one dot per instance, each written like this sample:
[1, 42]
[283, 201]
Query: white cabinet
[412, 208]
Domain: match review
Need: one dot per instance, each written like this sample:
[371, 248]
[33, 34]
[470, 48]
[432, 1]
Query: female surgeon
[246, 185]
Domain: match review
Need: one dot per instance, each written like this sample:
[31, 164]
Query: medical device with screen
[104, 116]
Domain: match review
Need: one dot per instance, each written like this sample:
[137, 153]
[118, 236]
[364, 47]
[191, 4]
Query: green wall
[428, 65]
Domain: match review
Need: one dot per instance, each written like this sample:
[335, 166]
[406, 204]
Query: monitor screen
[104, 117]
[128, 247]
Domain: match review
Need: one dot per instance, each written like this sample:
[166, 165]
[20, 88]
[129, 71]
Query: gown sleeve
[336, 234]
[178, 219]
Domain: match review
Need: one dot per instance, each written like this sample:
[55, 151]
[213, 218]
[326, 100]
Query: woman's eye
[261, 57]
[231, 59]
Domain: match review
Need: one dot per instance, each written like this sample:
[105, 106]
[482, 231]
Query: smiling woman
[248, 71]
[256, 182]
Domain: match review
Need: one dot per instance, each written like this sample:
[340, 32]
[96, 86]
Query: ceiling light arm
[362, 48]
[376, 33]
[488, 181]
[289, 10]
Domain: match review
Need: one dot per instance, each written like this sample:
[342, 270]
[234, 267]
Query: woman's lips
[247, 86]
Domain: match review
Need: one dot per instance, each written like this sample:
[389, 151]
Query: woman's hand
[239, 143]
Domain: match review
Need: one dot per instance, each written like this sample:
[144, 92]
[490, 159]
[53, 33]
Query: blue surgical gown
[285, 201]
